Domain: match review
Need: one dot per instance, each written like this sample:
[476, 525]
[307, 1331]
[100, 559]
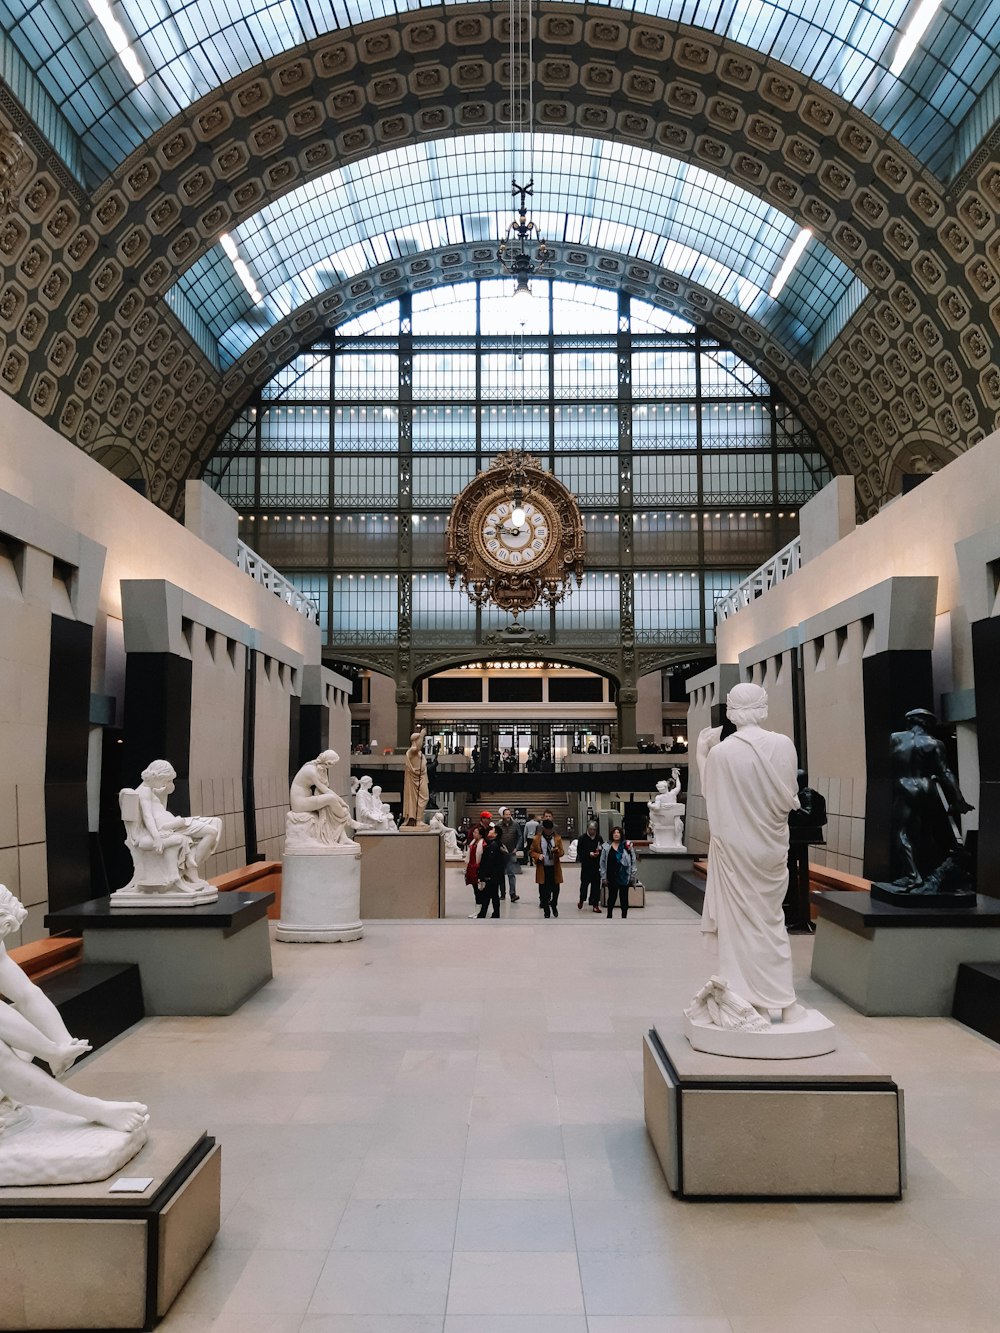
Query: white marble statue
[370, 811]
[718, 1005]
[749, 783]
[666, 815]
[436, 824]
[571, 851]
[50, 1134]
[167, 850]
[318, 818]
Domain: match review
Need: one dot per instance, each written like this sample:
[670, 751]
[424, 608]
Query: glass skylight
[188, 49]
[589, 192]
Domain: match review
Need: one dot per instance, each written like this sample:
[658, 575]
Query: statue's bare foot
[763, 1010]
[793, 1012]
[67, 1055]
[125, 1116]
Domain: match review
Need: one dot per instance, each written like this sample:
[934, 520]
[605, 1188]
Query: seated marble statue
[167, 850]
[31, 1029]
[370, 811]
[749, 783]
[436, 824]
[318, 818]
[666, 815]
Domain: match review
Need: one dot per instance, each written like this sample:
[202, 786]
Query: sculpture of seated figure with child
[370, 812]
[167, 850]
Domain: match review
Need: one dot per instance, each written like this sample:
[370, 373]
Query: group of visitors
[493, 856]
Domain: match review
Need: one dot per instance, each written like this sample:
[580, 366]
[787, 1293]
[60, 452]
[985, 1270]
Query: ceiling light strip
[240, 266]
[116, 35]
[790, 260]
[915, 29]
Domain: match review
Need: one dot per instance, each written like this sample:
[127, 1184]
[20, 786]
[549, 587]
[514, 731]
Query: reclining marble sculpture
[318, 817]
[436, 824]
[370, 811]
[49, 1134]
[750, 785]
[666, 815]
[167, 850]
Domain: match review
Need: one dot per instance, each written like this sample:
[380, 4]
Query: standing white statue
[318, 817]
[321, 864]
[436, 824]
[415, 789]
[370, 811]
[750, 786]
[49, 1134]
[167, 850]
[666, 815]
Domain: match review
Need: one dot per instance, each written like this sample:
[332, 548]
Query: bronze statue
[928, 856]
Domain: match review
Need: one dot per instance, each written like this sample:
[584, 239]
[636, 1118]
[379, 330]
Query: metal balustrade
[773, 571]
[251, 563]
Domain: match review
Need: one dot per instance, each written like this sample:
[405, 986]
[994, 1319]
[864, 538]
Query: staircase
[533, 802]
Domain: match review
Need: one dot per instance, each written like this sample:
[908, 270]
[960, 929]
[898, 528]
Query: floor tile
[515, 1284]
[363, 1282]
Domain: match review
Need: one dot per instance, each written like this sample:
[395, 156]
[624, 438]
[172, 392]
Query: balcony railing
[251, 563]
[786, 562]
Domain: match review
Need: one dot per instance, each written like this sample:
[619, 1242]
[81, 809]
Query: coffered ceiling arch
[86, 333]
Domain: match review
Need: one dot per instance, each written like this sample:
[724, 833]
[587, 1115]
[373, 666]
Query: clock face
[512, 546]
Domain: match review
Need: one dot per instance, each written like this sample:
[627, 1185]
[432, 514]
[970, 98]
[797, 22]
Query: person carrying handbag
[618, 866]
[472, 864]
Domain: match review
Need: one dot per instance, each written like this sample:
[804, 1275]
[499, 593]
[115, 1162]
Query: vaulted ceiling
[373, 158]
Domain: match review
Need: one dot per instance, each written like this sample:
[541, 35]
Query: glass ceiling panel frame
[609, 196]
[189, 49]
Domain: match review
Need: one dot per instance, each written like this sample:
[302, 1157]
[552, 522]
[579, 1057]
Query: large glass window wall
[688, 467]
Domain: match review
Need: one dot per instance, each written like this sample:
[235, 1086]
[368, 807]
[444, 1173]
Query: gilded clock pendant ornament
[515, 535]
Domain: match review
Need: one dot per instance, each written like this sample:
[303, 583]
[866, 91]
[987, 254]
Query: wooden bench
[259, 876]
[46, 958]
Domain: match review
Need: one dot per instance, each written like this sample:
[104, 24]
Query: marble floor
[439, 1130]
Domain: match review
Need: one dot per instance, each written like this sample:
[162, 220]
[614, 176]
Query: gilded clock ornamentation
[515, 535]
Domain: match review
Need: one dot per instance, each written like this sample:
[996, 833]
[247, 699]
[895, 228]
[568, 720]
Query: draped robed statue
[749, 781]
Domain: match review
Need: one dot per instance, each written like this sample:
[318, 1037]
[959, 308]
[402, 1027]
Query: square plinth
[829, 1127]
[657, 868]
[196, 960]
[78, 1256]
[402, 874]
[889, 960]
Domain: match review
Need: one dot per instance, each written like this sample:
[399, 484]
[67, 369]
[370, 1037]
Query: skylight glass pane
[189, 49]
[687, 220]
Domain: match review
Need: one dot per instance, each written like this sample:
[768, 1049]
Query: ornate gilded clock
[515, 535]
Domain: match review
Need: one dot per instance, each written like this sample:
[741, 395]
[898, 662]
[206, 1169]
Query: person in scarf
[547, 854]
[618, 863]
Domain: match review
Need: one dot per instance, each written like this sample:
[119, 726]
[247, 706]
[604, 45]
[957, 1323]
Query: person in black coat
[492, 863]
[588, 854]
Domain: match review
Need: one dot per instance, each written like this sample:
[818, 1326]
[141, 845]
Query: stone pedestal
[78, 1256]
[827, 1127]
[402, 877]
[321, 896]
[153, 898]
[201, 960]
[811, 1036]
[53, 1148]
[884, 959]
[657, 866]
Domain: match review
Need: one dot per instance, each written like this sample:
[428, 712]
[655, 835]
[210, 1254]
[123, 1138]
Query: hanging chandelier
[522, 251]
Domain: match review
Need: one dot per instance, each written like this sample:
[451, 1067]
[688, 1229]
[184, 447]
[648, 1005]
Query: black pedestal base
[889, 893]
